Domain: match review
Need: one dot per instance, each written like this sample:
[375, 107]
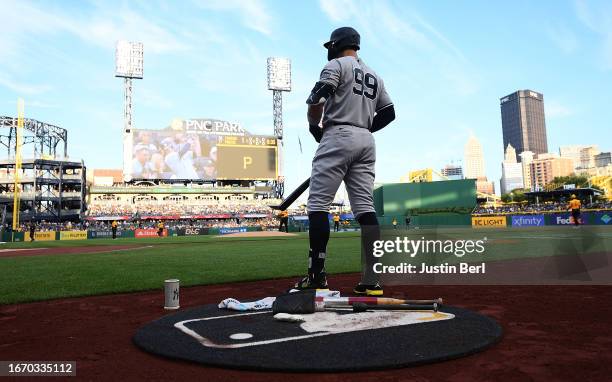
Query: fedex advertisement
[565, 219]
[527, 220]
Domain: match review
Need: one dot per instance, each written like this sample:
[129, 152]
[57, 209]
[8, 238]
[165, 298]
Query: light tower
[129, 65]
[279, 81]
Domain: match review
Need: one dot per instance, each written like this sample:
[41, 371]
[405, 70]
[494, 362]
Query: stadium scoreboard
[247, 157]
[247, 140]
[204, 149]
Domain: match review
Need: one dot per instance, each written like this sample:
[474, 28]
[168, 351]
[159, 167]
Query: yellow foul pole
[17, 185]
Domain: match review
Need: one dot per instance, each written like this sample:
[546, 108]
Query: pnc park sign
[208, 126]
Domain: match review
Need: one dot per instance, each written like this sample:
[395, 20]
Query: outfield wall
[542, 219]
[444, 203]
[108, 234]
[476, 221]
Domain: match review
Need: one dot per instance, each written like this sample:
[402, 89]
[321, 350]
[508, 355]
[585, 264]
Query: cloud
[152, 99]
[253, 14]
[599, 21]
[554, 110]
[23, 88]
[407, 29]
[562, 37]
[101, 25]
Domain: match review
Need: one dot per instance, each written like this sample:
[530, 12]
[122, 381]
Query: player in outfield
[574, 207]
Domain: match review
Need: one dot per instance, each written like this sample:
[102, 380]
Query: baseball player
[353, 102]
[574, 207]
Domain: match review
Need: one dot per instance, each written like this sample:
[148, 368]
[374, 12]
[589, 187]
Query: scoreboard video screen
[211, 152]
[247, 157]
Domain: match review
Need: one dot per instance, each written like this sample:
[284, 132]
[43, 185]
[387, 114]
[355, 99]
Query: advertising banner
[566, 218]
[192, 231]
[601, 218]
[489, 221]
[148, 232]
[225, 231]
[104, 234]
[527, 220]
[73, 235]
[40, 236]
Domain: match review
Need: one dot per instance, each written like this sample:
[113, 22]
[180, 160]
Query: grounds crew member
[574, 207]
[160, 229]
[283, 216]
[32, 231]
[336, 222]
[114, 228]
[354, 103]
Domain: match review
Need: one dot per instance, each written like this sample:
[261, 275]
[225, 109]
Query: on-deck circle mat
[328, 341]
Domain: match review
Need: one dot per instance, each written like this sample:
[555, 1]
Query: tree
[516, 195]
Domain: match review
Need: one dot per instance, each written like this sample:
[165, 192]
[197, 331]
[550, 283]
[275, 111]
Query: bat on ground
[308, 302]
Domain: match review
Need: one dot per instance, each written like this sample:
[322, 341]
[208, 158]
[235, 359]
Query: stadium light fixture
[279, 81]
[129, 59]
[279, 74]
[129, 64]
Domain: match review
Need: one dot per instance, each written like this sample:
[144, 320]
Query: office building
[546, 167]
[512, 172]
[523, 121]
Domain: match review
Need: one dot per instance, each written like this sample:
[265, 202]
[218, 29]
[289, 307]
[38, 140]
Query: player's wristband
[316, 132]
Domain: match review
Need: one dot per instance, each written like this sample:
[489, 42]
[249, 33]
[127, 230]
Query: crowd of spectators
[160, 208]
[268, 222]
[540, 207]
[45, 226]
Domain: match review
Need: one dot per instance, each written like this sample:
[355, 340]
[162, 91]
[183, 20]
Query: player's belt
[331, 124]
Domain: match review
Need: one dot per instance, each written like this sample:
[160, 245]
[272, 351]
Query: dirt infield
[551, 333]
[259, 234]
[66, 250]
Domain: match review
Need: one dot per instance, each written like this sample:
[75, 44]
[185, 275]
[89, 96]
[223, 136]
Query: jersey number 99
[365, 85]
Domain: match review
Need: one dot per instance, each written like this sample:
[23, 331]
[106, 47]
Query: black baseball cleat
[312, 282]
[368, 290]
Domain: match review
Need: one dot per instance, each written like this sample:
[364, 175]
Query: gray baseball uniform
[347, 150]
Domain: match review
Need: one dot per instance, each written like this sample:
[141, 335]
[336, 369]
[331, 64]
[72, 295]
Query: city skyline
[207, 59]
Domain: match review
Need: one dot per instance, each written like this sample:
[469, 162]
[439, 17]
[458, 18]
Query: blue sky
[445, 64]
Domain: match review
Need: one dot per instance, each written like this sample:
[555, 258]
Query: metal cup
[171, 293]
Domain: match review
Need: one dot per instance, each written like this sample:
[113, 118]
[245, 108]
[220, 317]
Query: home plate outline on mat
[324, 324]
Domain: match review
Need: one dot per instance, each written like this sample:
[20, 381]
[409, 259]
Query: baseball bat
[379, 301]
[308, 302]
[293, 196]
[361, 307]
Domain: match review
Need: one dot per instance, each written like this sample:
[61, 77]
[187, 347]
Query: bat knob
[359, 307]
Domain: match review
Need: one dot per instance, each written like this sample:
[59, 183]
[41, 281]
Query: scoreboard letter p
[246, 161]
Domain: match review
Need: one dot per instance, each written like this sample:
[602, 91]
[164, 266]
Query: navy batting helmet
[340, 39]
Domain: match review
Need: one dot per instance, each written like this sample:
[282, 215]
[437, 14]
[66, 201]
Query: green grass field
[195, 260]
[200, 260]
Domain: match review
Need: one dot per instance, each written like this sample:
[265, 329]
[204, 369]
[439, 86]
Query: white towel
[266, 303]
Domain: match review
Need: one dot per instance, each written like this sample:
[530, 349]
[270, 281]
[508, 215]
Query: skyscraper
[526, 159]
[523, 122]
[473, 159]
[452, 171]
[549, 166]
[474, 166]
[572, 152]
[512, 172]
